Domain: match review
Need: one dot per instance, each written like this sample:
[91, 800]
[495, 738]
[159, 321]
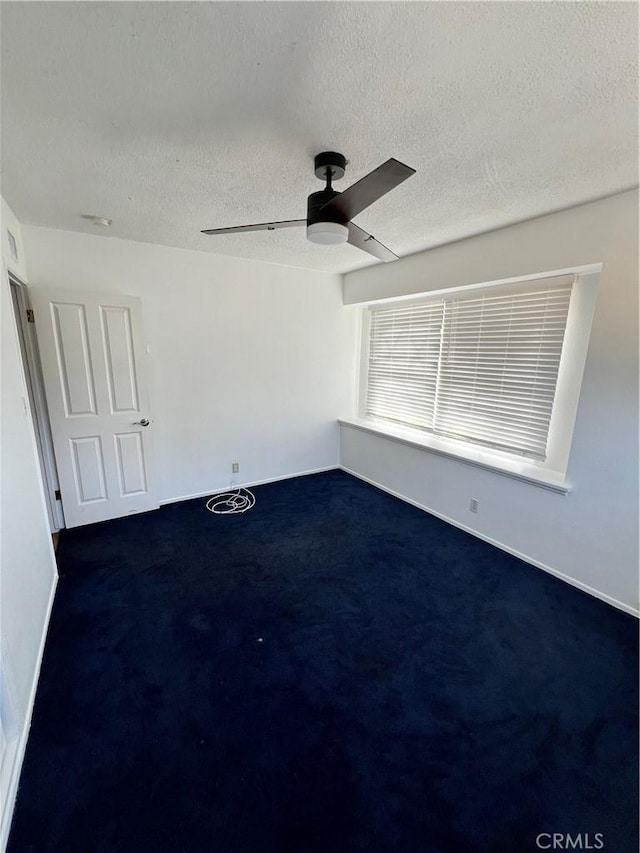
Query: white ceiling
[173, 117]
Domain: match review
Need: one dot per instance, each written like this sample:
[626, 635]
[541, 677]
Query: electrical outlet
[473, 506]
[235, 467]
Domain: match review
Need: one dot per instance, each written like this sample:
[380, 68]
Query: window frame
[553, 470]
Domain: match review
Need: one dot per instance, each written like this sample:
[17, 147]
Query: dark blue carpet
[333, 672]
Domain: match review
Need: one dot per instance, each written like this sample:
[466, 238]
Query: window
[499, 367]
[483, 367]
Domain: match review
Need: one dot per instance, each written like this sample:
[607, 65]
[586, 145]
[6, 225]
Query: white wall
[590, 536]
[250, 362]
[27, 564]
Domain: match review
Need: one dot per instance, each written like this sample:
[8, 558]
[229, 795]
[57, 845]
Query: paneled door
[93, 363]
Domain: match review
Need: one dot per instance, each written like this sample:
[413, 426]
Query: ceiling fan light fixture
[327, 233]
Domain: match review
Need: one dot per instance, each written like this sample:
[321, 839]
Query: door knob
[142, 422]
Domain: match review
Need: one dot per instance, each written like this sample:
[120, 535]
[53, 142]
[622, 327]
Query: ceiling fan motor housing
[323, 227]
[315, 202]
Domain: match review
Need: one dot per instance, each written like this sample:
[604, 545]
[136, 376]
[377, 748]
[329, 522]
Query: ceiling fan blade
[262, 226]
[364, 241]
[368, 189]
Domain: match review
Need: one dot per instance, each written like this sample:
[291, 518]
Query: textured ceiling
[173, 117]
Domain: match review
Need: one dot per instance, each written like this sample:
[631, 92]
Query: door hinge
[57, 494]
[30, 316]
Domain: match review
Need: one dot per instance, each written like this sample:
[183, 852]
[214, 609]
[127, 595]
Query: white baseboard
[227, 488]
[20, 744]
[536, 563]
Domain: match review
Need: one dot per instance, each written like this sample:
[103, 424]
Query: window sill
[506, 467]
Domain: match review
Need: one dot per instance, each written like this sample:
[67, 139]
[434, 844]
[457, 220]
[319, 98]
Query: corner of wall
[29, 573]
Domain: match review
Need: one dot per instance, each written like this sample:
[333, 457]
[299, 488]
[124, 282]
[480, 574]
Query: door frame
[38, 402]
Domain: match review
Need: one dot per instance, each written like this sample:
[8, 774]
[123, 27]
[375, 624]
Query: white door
[93, 364]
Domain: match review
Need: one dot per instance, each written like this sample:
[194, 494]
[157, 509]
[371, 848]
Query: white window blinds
[480, 368]
[404, 352]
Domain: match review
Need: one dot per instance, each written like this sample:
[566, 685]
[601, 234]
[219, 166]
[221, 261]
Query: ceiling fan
[329, 212]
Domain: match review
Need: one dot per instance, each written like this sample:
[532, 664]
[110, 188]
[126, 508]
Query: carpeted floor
[333, 672]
